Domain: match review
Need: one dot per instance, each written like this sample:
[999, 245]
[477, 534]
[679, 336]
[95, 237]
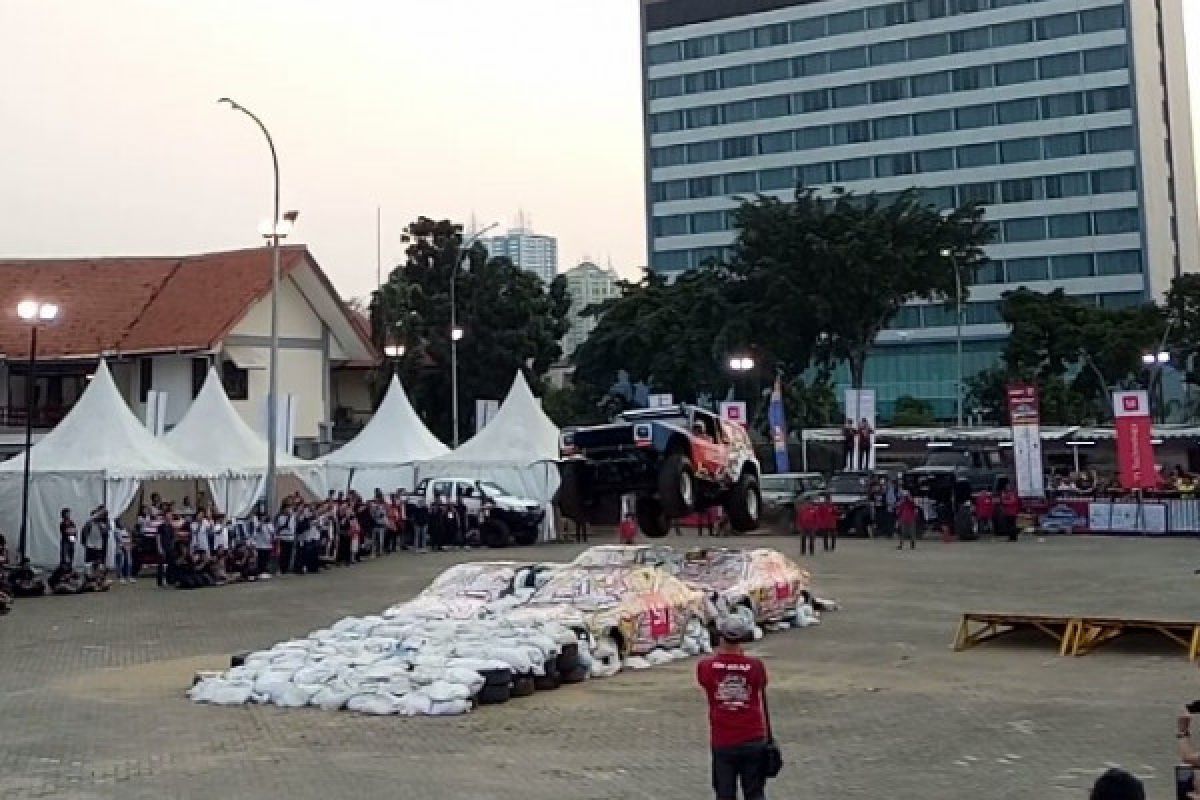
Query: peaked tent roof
[101, 435]
[212, 433]
[520, 433]
[394, 436]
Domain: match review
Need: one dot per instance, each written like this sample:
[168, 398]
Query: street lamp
[275, 230]
[741, 363]
[31, 313]
[394, 351]
[958, 319]
[456, 332]
[1156, 361]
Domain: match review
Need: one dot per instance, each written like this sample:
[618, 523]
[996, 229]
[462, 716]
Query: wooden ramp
[977, 628]
[1075, 635]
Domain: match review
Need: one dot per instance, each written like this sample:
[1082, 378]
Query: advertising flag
[1135, 450]
[1025, 417]
[778, 420]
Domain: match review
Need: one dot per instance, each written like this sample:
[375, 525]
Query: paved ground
[873, 704]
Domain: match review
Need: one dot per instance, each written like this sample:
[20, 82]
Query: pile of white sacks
[404, 663]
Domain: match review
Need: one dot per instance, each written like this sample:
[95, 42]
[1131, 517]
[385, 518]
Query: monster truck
[673, 460]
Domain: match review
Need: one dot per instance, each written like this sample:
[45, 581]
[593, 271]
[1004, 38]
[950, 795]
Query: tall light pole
[32, 312]
[958, 319]
[456, 332]
[275, 232]
[1155, 362]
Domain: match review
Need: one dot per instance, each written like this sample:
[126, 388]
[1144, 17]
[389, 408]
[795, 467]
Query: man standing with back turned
[736, 684]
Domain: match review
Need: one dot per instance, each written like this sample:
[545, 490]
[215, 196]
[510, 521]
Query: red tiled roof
[136, 305]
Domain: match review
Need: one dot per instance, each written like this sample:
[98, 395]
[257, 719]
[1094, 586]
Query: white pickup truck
[500, 517]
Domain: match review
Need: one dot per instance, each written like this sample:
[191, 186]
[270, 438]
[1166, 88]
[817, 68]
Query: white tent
[384, 454]
[517, 450]
[213, 434]
[98, 454]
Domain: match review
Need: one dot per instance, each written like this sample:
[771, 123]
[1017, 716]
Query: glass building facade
[1035, 108]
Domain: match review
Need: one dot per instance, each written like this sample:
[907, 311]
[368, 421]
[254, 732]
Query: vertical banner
[485, 412]
[156, 412]
[1135, 451]
[778, 420]
[734, 411]
[1025, 417]
[860, 410]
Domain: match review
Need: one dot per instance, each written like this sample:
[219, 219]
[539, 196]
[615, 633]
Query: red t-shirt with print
[734, 685]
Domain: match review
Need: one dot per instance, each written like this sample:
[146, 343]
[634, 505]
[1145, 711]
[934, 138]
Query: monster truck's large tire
[495, 533]
[745, 504]
[570, 491]
[526, 536]
[568, 658]
[677, 486]
[651, 519]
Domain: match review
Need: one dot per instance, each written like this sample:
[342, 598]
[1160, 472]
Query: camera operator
[1188, 755]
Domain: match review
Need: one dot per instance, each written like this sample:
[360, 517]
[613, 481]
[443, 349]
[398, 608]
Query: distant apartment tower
[528, 250]
[587, 284]
[1068, 119]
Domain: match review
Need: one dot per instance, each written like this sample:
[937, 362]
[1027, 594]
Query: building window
[777, 179]
[983, 194]
[846, 22]
[1074, 184]
[733, 77]
[663, 53]
[850, 58]
[769, 107]
[668, 191]
[1027, 270]
[935, 160]
[852, 132]
[668, 156]
[737, 147]
[1021, 190]
[709, 186]
[849, 96]
[972, 78]
[1012, 33]
[892, 127]
[814, 64]
[1025, 230]
[805, 29]
[1062, 65]
[967, 41]
[1114, 99]
[932, 84]
[1108, 181]
[888, 53]
[1106, 58]
[1120, 262]
[893, 165]
[235, 380]
[941, 198]
[1117, 300]
[810, 138]
[666, 122]
[768, 71]
[816, 174]
[1013, 72]
[700, 152]
[741, 182]
[933, 122]
[928, 46]
[708, 222]
[977, 155]
[1058, 26]
[702, 47]
[854, 169]
[199, 373]
[1069, 226]
[781, 142]
[665, 260]
[975, 117]
[1072, 267]
[983, 314]
[1016, 111]
[697, 82]
[666, 87]
[1062, 105]
[1125, 220]
[771, 35]
[672, 225]
[816, 100]
[1103, 19]
[742, 111]
[990, 272]
[702, 117]
[145, 378]
[889, 90]
[1065, 145]
[736, 41]
[1110, 140]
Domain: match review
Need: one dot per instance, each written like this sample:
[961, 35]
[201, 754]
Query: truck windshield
[948, 458]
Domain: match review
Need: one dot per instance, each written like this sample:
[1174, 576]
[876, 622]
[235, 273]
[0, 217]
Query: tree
[911, 412]
[825, 275]
[1183, 316]
[510, 322]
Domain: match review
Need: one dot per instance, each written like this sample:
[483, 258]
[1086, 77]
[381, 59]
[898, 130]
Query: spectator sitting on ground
[1117, 784]
[96, 578]
[27, 581]
[65, 580]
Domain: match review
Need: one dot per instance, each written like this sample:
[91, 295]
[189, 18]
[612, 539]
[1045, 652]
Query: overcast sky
[111, 141]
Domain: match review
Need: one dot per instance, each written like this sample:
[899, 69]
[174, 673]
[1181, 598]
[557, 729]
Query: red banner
[1135, 450]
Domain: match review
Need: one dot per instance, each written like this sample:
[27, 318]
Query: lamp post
[275, 231]
[1156, 361]
[32, 313]
[958, 337]
[394, 352]
[456, 332]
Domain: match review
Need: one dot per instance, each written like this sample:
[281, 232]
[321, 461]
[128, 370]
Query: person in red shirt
[628, 529]
[1010, 506]
[806, 524]
[827, 521]
[985, 513]
[735, 685]
[906, 515]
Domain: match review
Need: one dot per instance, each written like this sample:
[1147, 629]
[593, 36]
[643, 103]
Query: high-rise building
[587, 284]
[1068, 119]
[528, 250]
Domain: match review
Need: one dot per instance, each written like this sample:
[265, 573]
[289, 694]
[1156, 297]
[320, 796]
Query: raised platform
[1075, 635]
